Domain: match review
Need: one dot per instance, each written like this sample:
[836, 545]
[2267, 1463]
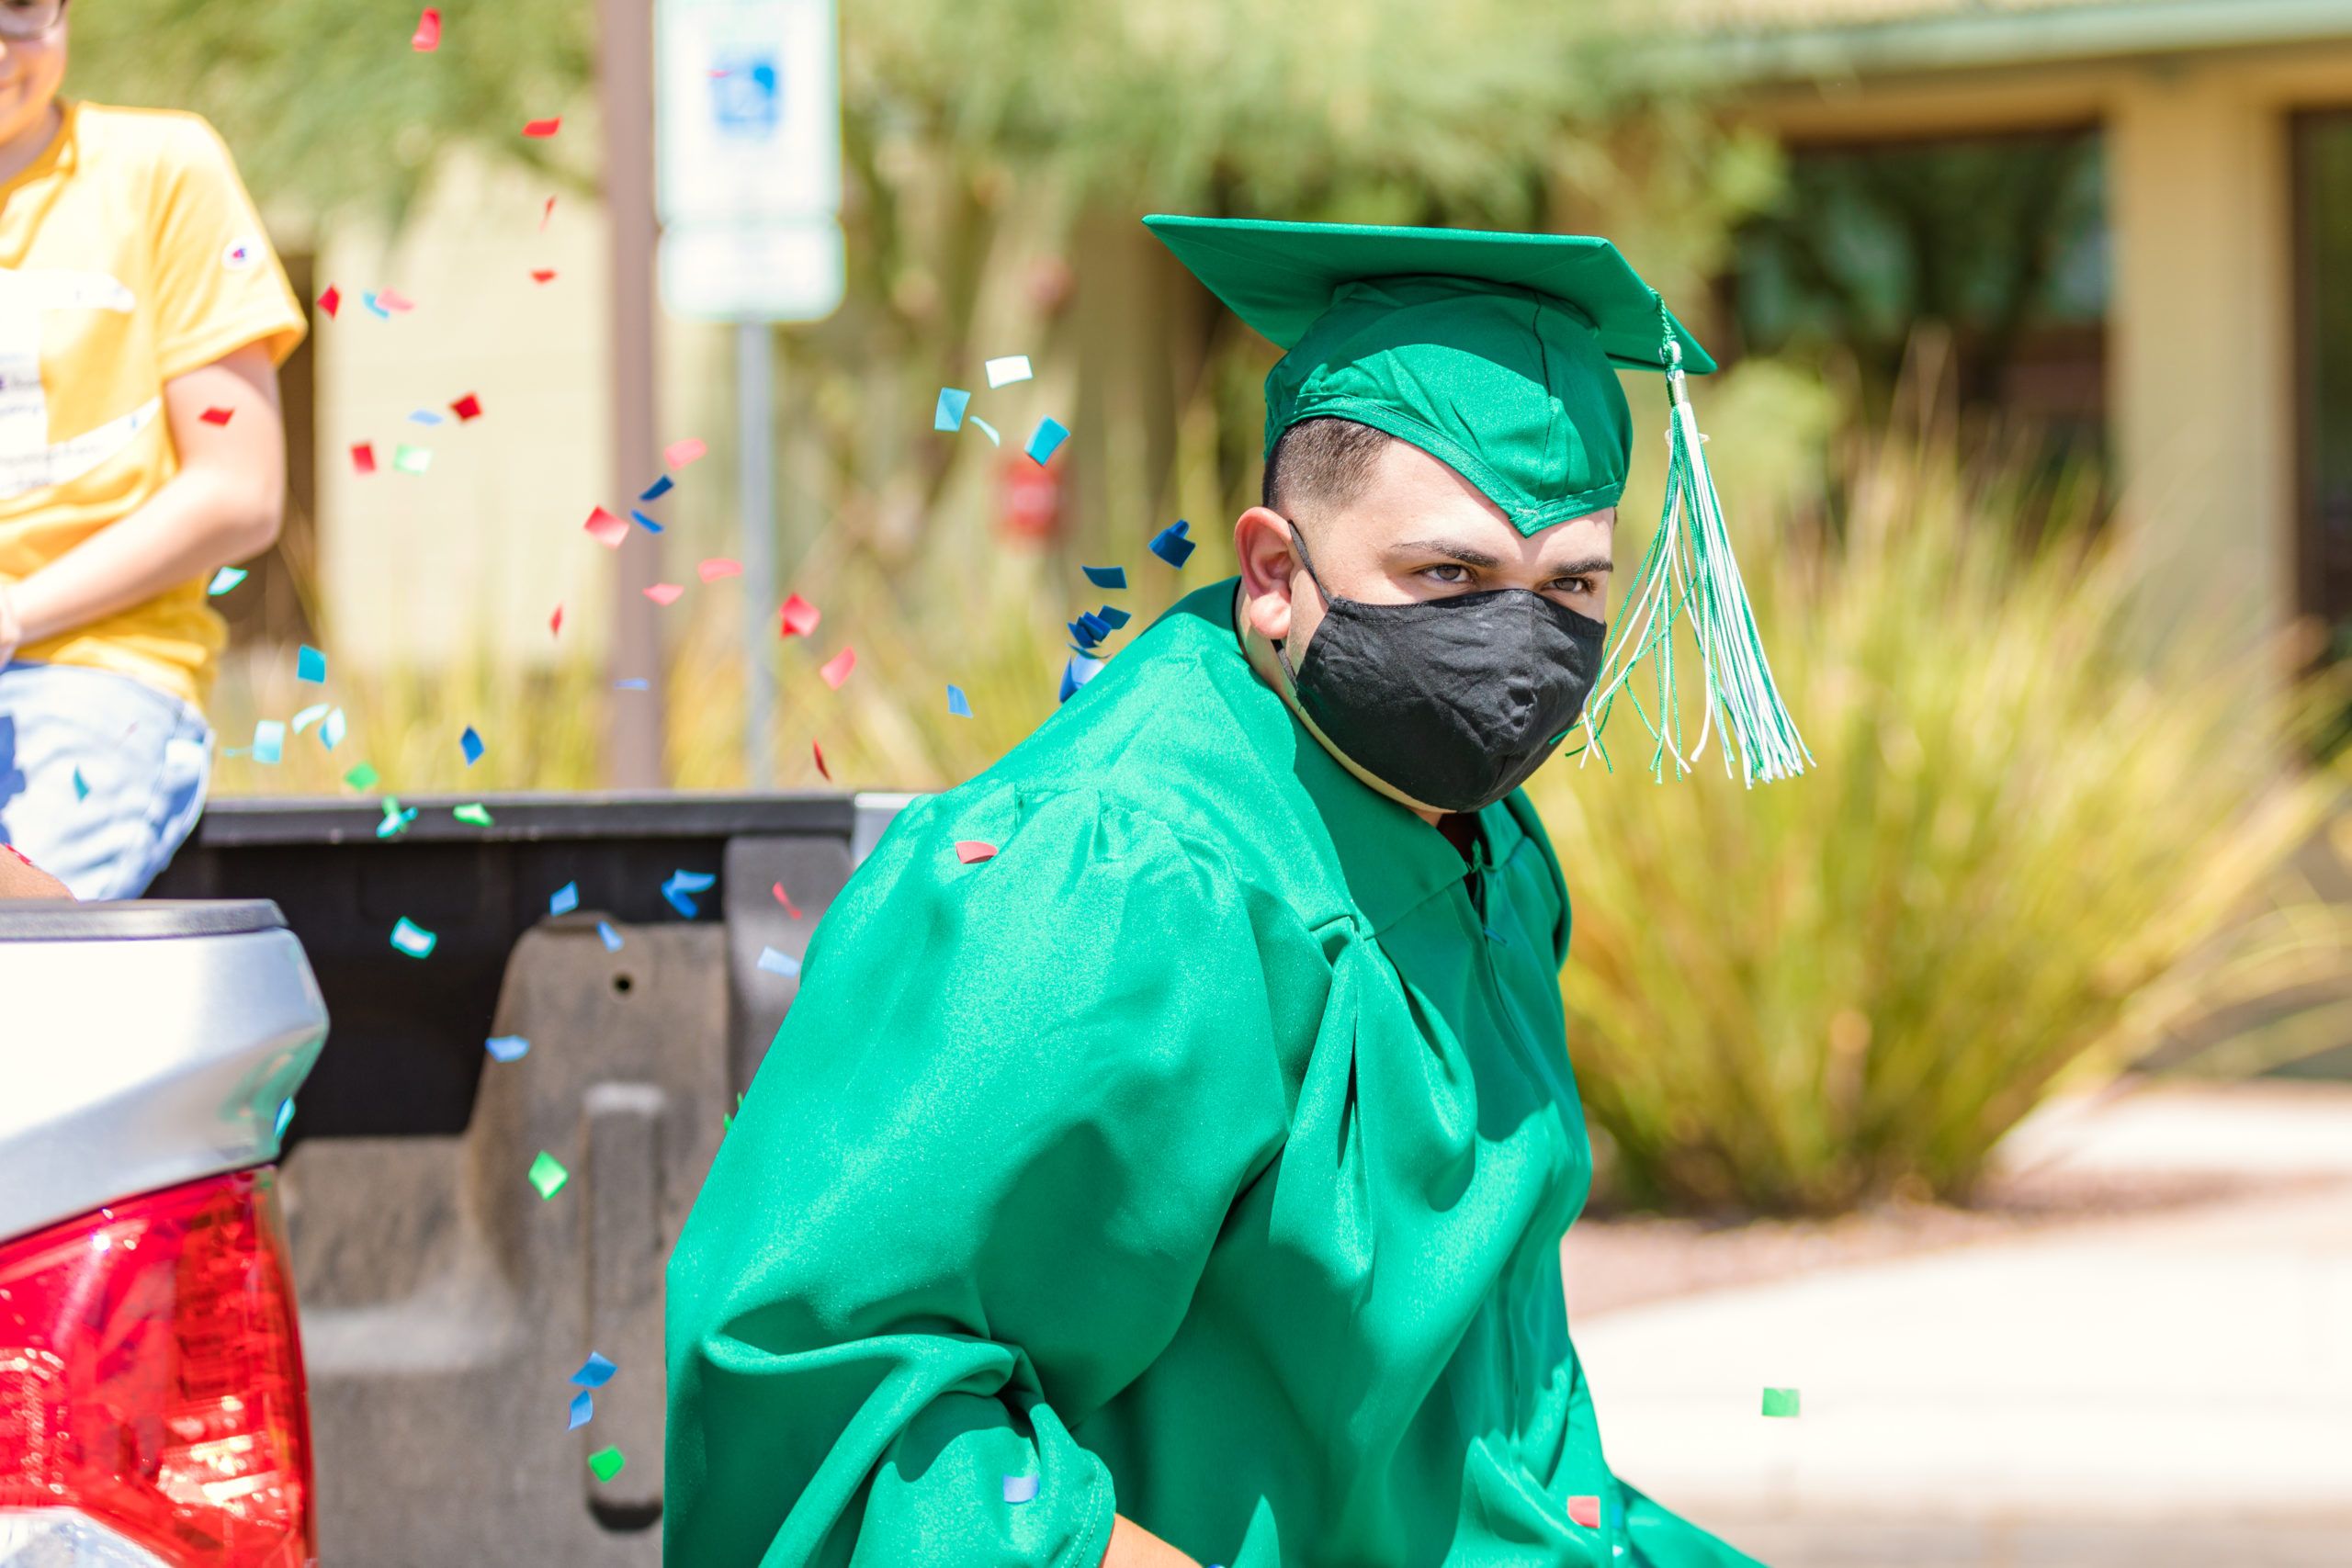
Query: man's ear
[1268, 557]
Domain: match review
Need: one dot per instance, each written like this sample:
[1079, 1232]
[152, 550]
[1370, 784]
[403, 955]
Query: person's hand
[20, 878]
[12, 630]
[1132, 1546]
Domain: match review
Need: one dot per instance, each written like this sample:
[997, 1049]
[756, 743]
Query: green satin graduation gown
[1203, 1155]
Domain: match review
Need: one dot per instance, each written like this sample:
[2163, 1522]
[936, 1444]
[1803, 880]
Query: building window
[2000, 240]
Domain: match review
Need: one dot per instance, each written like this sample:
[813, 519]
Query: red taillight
[150, 1377]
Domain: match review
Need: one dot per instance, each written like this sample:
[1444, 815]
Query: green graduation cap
[1497, 353]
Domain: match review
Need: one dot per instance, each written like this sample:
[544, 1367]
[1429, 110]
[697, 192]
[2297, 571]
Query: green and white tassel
[1688, 568]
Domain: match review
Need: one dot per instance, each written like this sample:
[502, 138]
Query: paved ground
[2151, 1389]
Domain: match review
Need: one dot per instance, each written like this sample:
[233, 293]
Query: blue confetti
[1106, 575]
[470, 744]
[1089, 629]
[564, 900]
[957, 703]
[644, 522]
[612, 938]
[1112, 617]
[309, 665]
[594, 1373]
[414, 939]
[369, 300]
[1019, 1488]
[395, 820]
[508, 1047]
[1171, 546]
[682, 885]
[1077, 673]
[776, 963]
[228, 577]
[1046, 441]
[424, 416]
[285, 1115]
[331, 729]
[269, 742]
[310, 716]
[584, 1410]
[949, 414]
[658, 488]
[81, 787]
[987, 430]
[636, 683]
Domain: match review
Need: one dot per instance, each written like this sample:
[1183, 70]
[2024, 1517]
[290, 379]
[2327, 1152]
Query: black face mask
[1453, 701]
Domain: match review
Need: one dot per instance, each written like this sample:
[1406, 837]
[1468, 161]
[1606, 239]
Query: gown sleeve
[968, 1195]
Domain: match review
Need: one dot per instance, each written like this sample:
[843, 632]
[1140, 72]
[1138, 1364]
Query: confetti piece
[228, 577]
[786, 899]
[636, 683]
[363, 458]
[218, 416]
[310, 716]
[284, 1117]
[1780, 1402]
[468, 407]
[606, 1462]
[1019, 1488]
[648, 524]
[508, 1047]
[957, 703]
[799, 617]
[776, 963]
[543, 128]
[473, 814]
[678, 453]
[1047, 440]
[987, 430]
[605, 529]
[584, 1410]
[374, 308]
[681, 887]
[393, 300]
[664, 593]
[1106, 575]
[949, 414]
[411, 459]
[309, 665]
[545, 213]
[611, 938]
[395, 820]
[470, 744]
[424, 416]
[1113, 616]
[1585, 1511]
[555, 622]
[543, 274]
[564, 900]
[331, 729]
[1077, 673]
[1171, 546]
[362, 777]
[414, 939]
[658, 488]
[427, 37]
[1005, 371]
[548, 1175]
[824, 772]
[269, 742]
[718, 567]
[81, 789]
[594, 1373]
[971, 852]
[1089, 629]
[332, 300]
[836, 669]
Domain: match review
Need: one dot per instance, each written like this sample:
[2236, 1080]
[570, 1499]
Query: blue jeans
[101, 776]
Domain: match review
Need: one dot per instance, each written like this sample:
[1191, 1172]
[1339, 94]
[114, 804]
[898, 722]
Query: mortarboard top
[1493, 352]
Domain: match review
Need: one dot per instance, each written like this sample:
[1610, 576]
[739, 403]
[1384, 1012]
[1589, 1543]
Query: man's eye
[1460, 573]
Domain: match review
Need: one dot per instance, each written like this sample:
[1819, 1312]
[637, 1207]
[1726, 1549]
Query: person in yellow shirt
[143, 320]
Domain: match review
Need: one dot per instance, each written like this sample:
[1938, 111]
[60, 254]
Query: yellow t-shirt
[130, 253]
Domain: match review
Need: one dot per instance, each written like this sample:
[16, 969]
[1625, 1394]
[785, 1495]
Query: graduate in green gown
[1184, 1182]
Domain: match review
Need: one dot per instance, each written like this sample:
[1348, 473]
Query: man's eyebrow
[1470, 554]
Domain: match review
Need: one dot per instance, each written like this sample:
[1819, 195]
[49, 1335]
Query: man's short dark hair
[1320, 465]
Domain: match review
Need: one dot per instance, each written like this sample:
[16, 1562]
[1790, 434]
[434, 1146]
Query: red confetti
[467, 407]
[555, 622]
[1585, 1511]
[605, 529]
[428, 32]
[392, 301]
[836, 669]
[543, 274]
[781, 895]
[718, 567]
[971, 852]
[820, 762]
[218, 416]
[543, 126]
[546, 213]
[799, 616]
[363, 458]
[332, 300]
[678, 453]
[664, 593]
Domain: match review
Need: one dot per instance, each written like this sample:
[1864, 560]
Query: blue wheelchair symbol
[746, 94]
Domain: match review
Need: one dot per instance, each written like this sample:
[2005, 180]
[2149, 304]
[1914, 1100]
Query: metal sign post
[749, 160]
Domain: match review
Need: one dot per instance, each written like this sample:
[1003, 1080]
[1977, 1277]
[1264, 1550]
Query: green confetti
[606, 1462]
[473, 811]
[548, 1176]
[361, 777]
[1780, 1402]
[411, 459]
